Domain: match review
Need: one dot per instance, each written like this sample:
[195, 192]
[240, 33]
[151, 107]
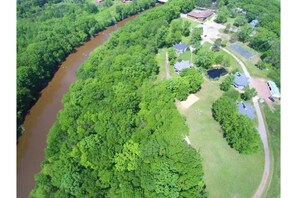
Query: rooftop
[203, 14]
[274, 91]
[241, 79]
[182, 65]
[246, 109]
[254, 22]
[180, 46]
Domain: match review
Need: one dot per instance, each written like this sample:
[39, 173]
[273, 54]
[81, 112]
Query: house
[274, 91]
[240, 80]
[126, 1]
[179, 66]
[254, 23]
[201, 15]
[247, 109]
[99, 1]
[181, 47]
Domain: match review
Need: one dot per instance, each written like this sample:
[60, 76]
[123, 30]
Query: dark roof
[182, 65]
[241, 79]
[203, 14]
[180, 46]
[246, 109]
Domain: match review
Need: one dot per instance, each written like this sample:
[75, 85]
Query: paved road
[261, 129]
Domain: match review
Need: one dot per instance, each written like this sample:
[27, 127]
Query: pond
[216, 73]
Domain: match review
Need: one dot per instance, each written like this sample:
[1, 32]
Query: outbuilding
[201, 16]
[247, 109]
[180, 47]
[179, 66]
[274, 91]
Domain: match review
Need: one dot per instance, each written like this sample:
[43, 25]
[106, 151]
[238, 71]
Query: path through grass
[227, 173]
[273, 122]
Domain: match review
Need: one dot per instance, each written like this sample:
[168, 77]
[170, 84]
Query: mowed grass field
[273, 122]
[227, 173]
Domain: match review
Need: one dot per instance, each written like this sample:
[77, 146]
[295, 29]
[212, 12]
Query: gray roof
[254, 22]
[246, 109]
[182, 65]
[241, 79]
[180, 46]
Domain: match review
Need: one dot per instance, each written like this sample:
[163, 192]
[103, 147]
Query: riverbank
[30, 149]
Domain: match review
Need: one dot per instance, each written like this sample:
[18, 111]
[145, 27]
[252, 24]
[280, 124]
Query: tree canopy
[120, 134]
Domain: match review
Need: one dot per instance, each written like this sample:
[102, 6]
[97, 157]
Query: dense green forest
[239, 130]
[266, 38]
[120, 134]
[47, 31]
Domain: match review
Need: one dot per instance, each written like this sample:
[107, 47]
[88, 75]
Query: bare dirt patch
[192, 98]
[263, 90]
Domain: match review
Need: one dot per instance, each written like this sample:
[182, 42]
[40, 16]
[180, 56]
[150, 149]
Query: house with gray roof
[240, 80]
[181, 47]
[179, 66]
[254, 23]
[247, 109]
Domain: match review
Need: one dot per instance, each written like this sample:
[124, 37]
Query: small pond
[216, 73]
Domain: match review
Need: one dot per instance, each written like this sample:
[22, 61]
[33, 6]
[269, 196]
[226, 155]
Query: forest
[120, 134]
[47, 31]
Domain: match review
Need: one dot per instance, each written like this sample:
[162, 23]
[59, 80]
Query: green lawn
[253, 70]
[234, 65]
[186, 56]
[160, 58]
[227, 173]
[273, 125]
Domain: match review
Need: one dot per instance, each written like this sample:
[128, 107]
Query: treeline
[265, 37]
[120, 134]
[46, 37]
[239, 130]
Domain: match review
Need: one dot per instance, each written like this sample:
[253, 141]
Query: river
[31, 145]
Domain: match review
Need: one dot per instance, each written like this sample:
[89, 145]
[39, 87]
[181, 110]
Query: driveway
[263, 91]
[211, 30]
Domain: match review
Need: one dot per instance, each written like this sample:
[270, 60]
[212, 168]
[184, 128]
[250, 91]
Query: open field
[253, 70]
[227, 173]
[273, 123]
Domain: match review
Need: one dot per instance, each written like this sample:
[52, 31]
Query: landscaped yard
[273, 123]
[227, 173]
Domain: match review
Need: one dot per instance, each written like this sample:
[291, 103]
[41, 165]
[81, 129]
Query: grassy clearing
[227, 173]
[186, 55]
[273, 124]
[160, 58]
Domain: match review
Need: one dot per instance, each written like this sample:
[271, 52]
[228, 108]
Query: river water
[30, 148]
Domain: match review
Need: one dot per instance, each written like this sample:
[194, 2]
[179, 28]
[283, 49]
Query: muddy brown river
[30, 148]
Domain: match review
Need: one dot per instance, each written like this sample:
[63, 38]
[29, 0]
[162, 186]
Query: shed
[179, 66]
[274, 91]
[240, 80]
[181, 47]
[254, 23]
[247, 109]
[201, 15]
